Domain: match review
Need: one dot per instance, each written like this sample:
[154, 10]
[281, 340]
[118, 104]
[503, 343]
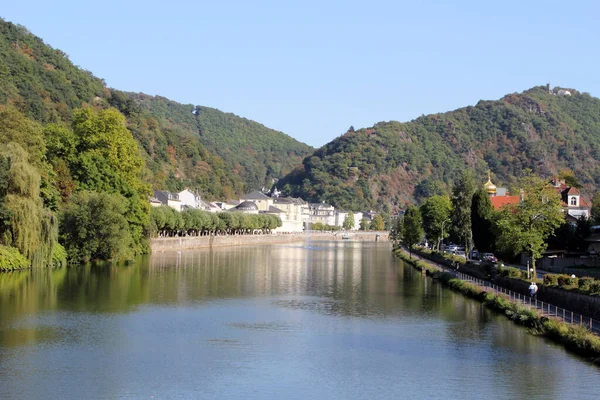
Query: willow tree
[28, 225]
[526, 226]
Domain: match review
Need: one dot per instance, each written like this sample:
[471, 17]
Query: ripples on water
[338, 320]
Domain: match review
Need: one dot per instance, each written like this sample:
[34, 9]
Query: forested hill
[393, 164]
[219, 154]
[252, 151]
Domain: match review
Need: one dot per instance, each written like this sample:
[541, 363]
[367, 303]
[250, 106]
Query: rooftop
[256, 195]
[501, 201]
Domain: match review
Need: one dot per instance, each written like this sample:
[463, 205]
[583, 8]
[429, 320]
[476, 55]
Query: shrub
[511, 272]
[11, 259]
[585, 282]
[595, 287]
[59, 256]
[551, 279]
[571, 281]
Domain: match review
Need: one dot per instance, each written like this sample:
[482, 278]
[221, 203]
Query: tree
[364, 224]
[481, 221]
[527, 225]
[25, 223]
[349, 221]
[396, 230]
[377, 224]
[108, 161]
[569, 177]
[93, 227]
[412, 228]
[436, 212]
[596, 208]
[462, 197]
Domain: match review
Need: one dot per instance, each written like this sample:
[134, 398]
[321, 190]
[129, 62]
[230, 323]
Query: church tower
[489, 186]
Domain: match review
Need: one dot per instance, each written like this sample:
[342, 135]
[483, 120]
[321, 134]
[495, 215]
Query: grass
[577, 339]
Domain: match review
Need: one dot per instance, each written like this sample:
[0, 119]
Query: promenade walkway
[546, 309]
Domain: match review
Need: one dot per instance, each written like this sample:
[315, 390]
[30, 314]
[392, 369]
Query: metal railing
[546, 309]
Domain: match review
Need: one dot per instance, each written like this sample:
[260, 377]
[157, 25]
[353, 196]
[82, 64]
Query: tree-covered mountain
[219, 154]
[78, 160]
[393, 164]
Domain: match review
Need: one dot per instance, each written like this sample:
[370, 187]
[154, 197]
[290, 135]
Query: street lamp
[442, 239]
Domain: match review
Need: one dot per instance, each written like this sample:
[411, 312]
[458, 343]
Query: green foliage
[596, 208]
[59, 256]
[319, 226]
[11, 259]
[436, 211]
[210, 142]
[165, 221]
[527, 225]
[107, 160]
[377, 223]
[412, 228]
[181, 148]
[462, 199]
[511, 272]
[93, 227]
[349, 221]
[482, 221]
[551, 279]
[584, 283]
[27, 224]
[396, 230]
[406, 162]
[364, 224]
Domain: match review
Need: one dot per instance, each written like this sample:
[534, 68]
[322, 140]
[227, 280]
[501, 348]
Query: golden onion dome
[489, 186]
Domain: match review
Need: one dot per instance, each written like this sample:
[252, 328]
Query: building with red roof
[500, 201]
[573, 203]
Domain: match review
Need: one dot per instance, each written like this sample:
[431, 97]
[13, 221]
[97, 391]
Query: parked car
[489, 257]
[451, 248]
[461, 253]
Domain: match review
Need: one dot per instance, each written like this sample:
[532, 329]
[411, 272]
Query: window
[573, 201]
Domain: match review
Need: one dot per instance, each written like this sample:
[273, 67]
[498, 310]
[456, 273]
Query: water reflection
[321, 320]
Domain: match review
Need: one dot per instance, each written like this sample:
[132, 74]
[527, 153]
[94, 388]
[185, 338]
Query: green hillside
[78, 160]
[230, 156]
[393, 164]
[252, 151]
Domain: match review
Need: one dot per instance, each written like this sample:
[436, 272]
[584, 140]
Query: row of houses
[295, 213]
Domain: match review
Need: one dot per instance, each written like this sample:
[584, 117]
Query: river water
[313, 320]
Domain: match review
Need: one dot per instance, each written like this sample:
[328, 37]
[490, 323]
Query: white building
[322, 212]
[296, 213]
[341, 215]
[189, 199]
[168, 199]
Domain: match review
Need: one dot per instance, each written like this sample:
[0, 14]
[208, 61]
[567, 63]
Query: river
[312, 320]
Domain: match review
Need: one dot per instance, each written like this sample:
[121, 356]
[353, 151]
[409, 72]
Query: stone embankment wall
[200, 242]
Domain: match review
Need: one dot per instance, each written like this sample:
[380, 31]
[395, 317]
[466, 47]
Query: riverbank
[203, 242]
[574, 338]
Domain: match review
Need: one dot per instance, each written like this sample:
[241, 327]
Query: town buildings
[295, 213]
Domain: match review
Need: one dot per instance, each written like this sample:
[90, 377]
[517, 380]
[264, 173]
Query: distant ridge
[219, 154]
[392, 164]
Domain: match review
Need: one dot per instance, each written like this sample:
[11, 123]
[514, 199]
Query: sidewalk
[546, 309]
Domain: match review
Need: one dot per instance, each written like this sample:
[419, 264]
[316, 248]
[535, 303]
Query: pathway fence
[546, 309]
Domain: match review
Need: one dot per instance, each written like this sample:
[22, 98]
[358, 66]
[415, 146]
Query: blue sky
[313, 68]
